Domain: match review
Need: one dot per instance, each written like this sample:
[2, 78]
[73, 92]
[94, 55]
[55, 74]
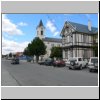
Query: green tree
[10, 55]
[26, 51]
[56, 52]
[39, 48]
[36, 47]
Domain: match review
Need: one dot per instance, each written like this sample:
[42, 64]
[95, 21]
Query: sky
[20, 29]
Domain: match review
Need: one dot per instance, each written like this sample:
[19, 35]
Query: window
[79, 59]
[41, 32]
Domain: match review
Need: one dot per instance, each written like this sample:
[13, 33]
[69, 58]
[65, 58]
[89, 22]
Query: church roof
[83, 28]
[40, 24]
[48, 39]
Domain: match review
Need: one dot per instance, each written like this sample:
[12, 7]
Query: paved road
[29, 74]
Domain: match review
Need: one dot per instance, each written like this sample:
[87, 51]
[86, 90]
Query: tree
[36, 47]
[26, 51]
[10, 55]
[56, 52]
[39, 48]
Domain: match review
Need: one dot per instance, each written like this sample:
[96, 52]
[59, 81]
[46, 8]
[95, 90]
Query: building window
[41, 32]
[84, 38]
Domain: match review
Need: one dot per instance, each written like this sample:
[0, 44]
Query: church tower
[40, 30]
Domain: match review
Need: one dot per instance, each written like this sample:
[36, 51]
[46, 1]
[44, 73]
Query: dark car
[15, 61]
[59, 63]
[42, 62]
[49, 62]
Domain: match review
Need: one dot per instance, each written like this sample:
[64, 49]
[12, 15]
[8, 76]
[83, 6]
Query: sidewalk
[7, 79]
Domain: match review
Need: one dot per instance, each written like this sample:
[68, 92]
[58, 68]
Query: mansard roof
[83, 28]
[48, 39]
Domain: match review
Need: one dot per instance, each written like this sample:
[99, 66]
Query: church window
[41, 32]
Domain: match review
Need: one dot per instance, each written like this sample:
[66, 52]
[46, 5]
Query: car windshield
[79, 59]
[94, 60]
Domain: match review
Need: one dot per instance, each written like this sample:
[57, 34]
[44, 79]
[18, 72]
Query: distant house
[78, 40]
[19, 54]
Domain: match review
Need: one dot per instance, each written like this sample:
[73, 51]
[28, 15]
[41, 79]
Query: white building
[49, 42]
[78, 40]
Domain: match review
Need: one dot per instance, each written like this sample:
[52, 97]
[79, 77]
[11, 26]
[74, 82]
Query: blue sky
[20, 29]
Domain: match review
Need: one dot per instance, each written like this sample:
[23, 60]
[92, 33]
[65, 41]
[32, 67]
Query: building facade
[78, 40]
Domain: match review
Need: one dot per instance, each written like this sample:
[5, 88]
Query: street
[32, 74]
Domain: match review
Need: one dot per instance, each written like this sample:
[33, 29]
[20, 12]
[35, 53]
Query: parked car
[15, 61]
[49, 62]
[67, 62]
[78, 63]
[42, 62]
[93, 64]
[29, 59]
[59, 63]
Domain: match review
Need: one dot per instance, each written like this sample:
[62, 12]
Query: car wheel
[69, 68]
[80, 67]
[73, 68]
[86, 65]
[90, 70]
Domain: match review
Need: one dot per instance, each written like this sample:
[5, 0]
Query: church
[49, 42]
[77, 40]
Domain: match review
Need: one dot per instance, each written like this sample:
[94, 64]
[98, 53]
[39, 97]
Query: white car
[93, 64]
[67, 62]
[77, 63]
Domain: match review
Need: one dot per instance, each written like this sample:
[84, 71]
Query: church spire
[40, 24]
[40, 30]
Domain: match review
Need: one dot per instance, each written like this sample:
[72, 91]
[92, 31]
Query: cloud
[9, 27]
[12, 46]
[22, 24]
[50, 25]
[88, 16]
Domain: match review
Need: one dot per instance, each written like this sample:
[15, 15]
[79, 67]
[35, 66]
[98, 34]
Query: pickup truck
[78, 63]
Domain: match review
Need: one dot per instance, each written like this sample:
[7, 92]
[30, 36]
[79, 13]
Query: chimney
[89, 25]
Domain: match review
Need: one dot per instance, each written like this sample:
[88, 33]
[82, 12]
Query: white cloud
[22, 24]
[88, 16]
[12, 46]
[50, 25]
[9, 27]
